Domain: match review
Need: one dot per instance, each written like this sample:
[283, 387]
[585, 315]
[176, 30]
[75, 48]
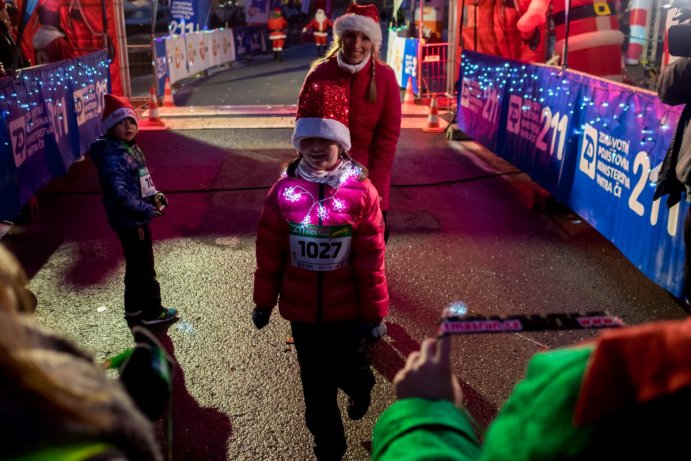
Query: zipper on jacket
[320, 274]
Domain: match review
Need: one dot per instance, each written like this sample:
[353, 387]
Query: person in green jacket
[625, 395]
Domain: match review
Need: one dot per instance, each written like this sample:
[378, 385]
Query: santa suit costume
[374, 126]
[49, 41]
[276, 25]
[320, 255]
[320, 24]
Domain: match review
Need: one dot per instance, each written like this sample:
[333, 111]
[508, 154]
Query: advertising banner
[402, 57]
[595, 145]
[196, 53]
[481, 95]
[249, 41]
[227, 43]
[176, 50]
[188, 16]
[50, 116]
[409, 68]
[622, 137]
[161, 65]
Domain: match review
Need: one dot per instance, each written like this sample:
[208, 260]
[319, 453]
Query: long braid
[373, 83]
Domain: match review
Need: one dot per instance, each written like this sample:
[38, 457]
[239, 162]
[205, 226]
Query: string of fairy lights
[294, 194]
[34, 87]
[514, 77]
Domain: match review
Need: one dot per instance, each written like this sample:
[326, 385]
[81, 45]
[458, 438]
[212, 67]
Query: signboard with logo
[50, 117]
[188, 16]
[176, 51]
[595, 145]
[402, 57]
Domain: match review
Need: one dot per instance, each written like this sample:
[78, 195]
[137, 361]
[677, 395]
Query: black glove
[373, 332]
[260, 317]
[160, 200]
[158, 212]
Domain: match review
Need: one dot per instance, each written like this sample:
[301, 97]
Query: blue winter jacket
[118, 173]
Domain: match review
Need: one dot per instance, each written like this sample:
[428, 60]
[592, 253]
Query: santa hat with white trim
[362, 18]
[322, 113]
[115, 111]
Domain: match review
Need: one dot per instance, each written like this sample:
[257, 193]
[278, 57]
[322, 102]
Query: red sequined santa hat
[362, 18]
[115, 111]
[322, 113]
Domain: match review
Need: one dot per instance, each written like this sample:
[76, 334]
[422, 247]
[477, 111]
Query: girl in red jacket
[374, 97]
[320, 254]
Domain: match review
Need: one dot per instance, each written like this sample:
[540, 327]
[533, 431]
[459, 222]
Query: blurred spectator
[11, 56]
[626, 395]
[50, 41]
[56, 403]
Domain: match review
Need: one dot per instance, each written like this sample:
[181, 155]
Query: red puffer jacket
[374, 128]
[340, 278]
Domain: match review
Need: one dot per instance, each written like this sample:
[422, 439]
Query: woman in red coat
[374, 96]
[320, 254]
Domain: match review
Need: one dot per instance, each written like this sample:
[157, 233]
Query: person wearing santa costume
[131, 202]
[374, 97]
[277, 24]
[50, 42]
[320, 24]
[320, 256]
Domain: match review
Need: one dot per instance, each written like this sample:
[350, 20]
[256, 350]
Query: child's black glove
[260, 317]
[373, 332]
[158, 212]
[160, 200]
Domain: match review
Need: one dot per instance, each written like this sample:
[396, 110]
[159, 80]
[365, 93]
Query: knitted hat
[362, 18]
[322, 113]
[116, 110]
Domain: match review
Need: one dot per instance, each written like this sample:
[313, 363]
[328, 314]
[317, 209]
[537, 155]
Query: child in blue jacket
[131, 201]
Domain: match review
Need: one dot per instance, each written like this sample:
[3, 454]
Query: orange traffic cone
[168, 95]
[433, 117]
[409, 97]
[154, 117]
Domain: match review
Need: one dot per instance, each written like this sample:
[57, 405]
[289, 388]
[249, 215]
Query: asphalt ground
[466, 226]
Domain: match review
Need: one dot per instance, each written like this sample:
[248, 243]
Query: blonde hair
[335, 47]
[18, 370]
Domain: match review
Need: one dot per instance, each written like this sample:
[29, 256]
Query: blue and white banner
[401, 56]
[188, 16]
[161, 65]
[249, 41]
[50, 115]
[595, 145]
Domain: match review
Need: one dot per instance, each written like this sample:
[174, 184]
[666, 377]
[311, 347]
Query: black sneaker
[357, 407]
[168, 314]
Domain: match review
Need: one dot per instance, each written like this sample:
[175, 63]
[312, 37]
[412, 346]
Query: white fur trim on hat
[359, 23]
[328, 128]
[117, 116]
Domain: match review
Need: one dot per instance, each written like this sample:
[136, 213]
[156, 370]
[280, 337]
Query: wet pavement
[465, 226]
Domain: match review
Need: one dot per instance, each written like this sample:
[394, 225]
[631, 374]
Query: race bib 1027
[320, 248]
